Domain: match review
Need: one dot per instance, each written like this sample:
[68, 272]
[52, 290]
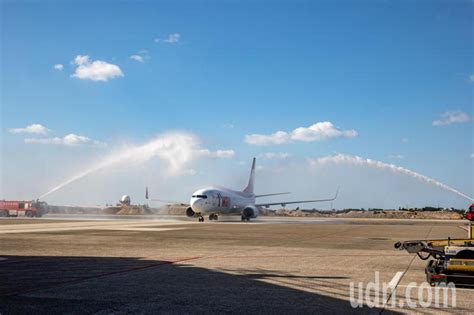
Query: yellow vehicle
[453, 258]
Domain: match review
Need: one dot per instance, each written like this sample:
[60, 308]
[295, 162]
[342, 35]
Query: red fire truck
[22, 208]
[470, 213]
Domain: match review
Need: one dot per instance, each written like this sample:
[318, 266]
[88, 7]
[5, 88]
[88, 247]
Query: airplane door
[226, 202]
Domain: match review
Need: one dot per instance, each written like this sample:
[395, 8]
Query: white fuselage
[220, 200]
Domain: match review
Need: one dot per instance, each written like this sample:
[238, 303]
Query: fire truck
[470, 213]
[16, 208]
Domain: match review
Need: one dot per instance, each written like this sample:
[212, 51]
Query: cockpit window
[200, 196]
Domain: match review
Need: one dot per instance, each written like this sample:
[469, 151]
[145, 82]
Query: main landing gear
[244, 218]
[213, 216]
[201, 218]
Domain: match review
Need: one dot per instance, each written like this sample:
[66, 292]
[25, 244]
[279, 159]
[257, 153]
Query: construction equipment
[453, 258]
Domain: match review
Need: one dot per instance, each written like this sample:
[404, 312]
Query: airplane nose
[196, 205]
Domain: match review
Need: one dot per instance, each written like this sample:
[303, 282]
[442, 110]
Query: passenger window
[21, 205]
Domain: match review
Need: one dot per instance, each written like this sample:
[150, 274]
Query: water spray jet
[357, 160]
[175, 149]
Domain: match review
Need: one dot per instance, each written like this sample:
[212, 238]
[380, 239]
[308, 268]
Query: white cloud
[80, 60]
[471, 77]
[228, 126]
[141, 56]
[137, 58]
[452, 117]
[172, 38]
[321, 131]
[405, 140]
[68, 140]
[58, 66]
[472, 155]
[34, 129]
[275, 155]
[316, 132]
[279, 137]
[97, 70]
[220, 154]
[225, 154]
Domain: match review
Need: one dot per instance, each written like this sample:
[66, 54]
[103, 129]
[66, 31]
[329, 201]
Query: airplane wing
[284, 203]
[273, 194]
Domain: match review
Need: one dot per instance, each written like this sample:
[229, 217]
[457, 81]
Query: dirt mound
[134, 210]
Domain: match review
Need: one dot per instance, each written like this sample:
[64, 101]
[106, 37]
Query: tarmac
[150, 264]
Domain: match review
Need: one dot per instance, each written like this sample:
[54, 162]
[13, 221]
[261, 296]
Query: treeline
[380, 210]
[432, 209]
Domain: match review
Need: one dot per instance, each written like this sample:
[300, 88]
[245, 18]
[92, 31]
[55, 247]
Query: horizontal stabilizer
[168, 201]
[162, 200]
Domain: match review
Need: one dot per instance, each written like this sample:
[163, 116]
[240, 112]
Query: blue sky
[226, 70]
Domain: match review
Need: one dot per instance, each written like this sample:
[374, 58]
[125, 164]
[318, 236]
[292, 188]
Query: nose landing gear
[201, 218]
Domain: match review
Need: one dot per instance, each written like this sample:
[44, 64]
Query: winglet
[249, 188]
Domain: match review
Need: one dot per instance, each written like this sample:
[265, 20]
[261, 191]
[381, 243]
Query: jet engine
[250, 212]
[190, 212]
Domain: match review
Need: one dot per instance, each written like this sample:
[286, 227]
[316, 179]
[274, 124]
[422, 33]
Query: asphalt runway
[116, 264]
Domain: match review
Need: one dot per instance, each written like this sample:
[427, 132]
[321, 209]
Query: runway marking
[396, 280]
[403, 273]
[140, 229]
[90, 229]
[55, 227]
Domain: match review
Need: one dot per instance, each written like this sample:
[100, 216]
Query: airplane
[217, 200]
